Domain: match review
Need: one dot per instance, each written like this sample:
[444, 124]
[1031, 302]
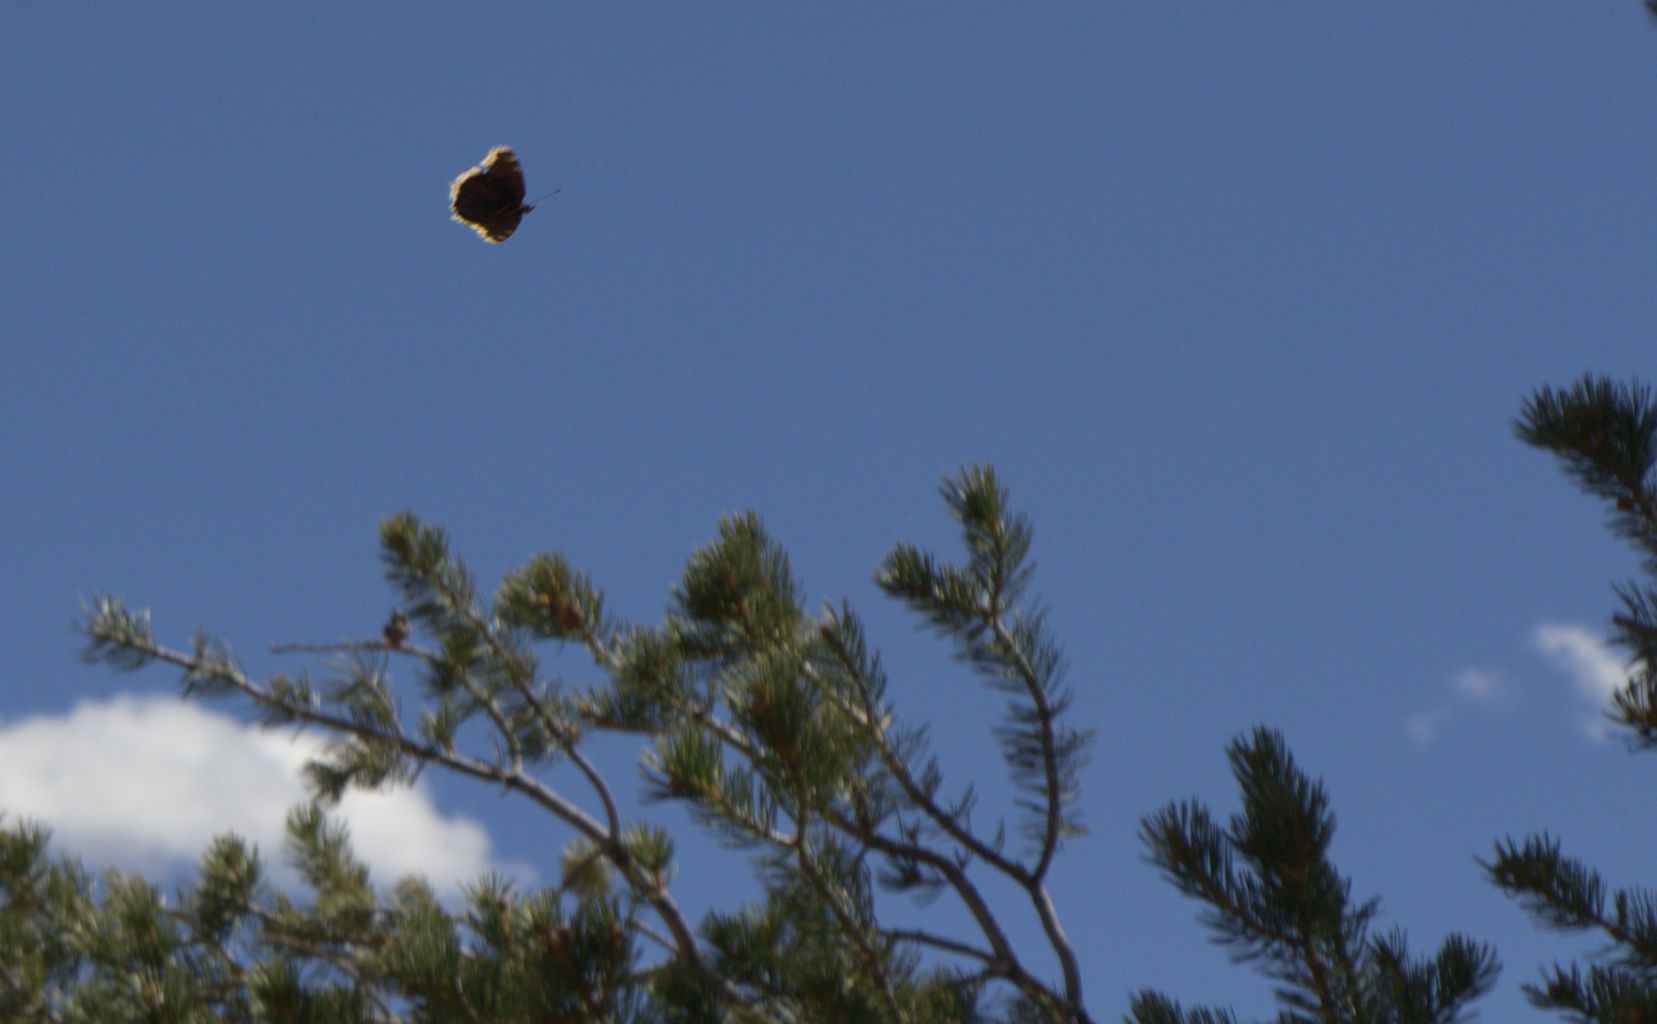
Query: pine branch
[1562, 893]
[1273, 897]
[922, 937]
[107, 628]
[771, 726]
[1605, 436]
[1154, 1008]
[844, 638]
[850, 926]
[1004, 961]
[972, 605]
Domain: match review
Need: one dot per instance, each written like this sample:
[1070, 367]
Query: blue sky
[1239, 300]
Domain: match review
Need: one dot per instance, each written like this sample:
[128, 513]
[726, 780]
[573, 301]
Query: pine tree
[1605, 436]
[1274, 898]
[771, 723]
[773, 726]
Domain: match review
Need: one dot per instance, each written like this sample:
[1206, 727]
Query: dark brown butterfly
[490, 199]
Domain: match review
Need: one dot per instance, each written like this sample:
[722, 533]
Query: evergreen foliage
[1605, 437]
[770, 723]
[1274, 898]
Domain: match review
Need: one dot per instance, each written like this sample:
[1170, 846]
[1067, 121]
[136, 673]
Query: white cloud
[1591, 664]
[1476, 684]
[143, 783]
[1471, 685]
[1423, 728]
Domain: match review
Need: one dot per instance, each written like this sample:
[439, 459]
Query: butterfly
[490, 199]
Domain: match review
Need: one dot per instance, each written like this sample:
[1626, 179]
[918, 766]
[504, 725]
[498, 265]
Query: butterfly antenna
[549, 195]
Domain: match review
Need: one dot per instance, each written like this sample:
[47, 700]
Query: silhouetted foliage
[1605, 436]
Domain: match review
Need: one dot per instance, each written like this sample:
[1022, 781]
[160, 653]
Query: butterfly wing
[502, 165]
[490, 199]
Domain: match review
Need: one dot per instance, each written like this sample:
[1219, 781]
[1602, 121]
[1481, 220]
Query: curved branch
[512, 779]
